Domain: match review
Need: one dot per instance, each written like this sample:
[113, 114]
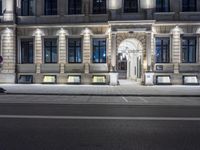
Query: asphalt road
[59, 126]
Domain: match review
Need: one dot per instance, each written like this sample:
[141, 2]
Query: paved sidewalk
[103, 90]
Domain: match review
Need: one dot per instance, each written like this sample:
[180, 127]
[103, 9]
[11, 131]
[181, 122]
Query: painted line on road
[124, 99]
[143, 99]
[99, 118]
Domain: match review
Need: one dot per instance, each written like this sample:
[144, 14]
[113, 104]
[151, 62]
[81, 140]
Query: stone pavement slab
[103, 90]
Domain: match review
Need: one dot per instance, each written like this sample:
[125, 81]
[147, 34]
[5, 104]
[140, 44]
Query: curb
[103, 95]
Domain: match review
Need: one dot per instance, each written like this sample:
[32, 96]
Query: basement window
[190, 80]
[74, 79]
[99, 79]
[49, 79]
[163, 80]
[25, 79]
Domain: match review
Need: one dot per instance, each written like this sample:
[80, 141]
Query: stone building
[97, 41]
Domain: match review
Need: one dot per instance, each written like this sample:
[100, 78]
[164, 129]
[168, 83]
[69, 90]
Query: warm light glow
[147, 4]
[49, 79]
[62, 32]
[99, 79]
[115, 4]
[74, 79]
[86, 31]
[145, 64]
[38, 32]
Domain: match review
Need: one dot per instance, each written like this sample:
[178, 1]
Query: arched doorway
[129, 59]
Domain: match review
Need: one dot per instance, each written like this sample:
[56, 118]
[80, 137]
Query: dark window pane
[50, 7]
[74, 6]
[74, 51]
[50, 51]
[162, 5]
[130, 6]
[99, 50]
[162, 50]
[27, 51]
[1, 7]
[27, 7]
[188, 49]
[99, 6]
[189, 5]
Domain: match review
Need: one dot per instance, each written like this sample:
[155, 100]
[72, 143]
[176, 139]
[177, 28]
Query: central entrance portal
[129, 59]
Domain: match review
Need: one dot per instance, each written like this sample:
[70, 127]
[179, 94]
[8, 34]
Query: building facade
[99, 41]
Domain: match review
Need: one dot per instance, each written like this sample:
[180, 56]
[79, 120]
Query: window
[26, 51]
[99, 50]
[50, 48]
[189, 5]
[188, 49]
[1, 10]
[130, 6]
[99, 6]
[49, 79]
[162, 50]
[162, 5]
[50, 7]
[74, 51]
[27, 8]
[25, 79]
[74, 6]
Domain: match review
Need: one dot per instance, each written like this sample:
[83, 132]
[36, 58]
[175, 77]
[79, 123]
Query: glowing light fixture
[38, 32]
[147, 4]
[86, 31]
[115, 4]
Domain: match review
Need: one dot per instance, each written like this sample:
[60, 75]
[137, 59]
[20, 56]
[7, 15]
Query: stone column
[38, 49]
[86, 49]
[8, 6]
[7, 74]
[62, 49]
[176, 48]
[113, 51]
[148, 51]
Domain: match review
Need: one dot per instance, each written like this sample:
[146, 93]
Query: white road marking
[99, 118]
[125, 99]
[143, 99]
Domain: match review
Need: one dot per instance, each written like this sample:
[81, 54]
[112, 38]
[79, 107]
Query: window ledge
[49, 16]
[74, 15]
[164, 13]
[98, 15]
[190, 12]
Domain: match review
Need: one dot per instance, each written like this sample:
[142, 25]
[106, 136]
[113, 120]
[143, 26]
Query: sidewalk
[124, 89]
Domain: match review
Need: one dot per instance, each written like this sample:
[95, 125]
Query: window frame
[52, 8]
[33, 9]
[188, 49]
[99, 51]
[1, 7]
[188, 8]
[99, 10]
[163, 6]
[129, 9]
[44, 52]
[74, 48]
[75, 7]
[161, 46]
[21, 58]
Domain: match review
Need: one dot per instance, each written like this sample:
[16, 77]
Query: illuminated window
[190, 80]
[162, 50]
[25, 79]
[99, 6]
[50, 7]
[99, 50]
[163, 79]
[74, 51]
[74, 6]
[130, 6]
[99, 79]
[74, 79]
[189, 5]
[26, 51]
[50, 50]
[27, 8]
[162, 5]
[189, 49]
[49, 79]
